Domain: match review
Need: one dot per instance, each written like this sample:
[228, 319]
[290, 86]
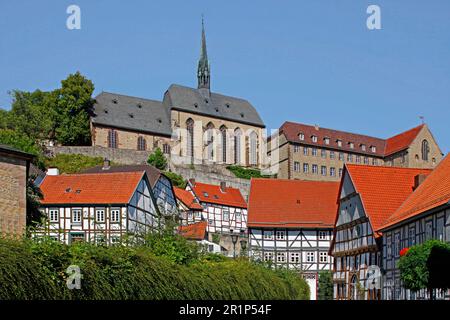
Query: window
[76, 216]
[332, 155]
[314, 152]
[268, 256]
[373, 149]
[281, 256]
[115, 215]
[301, 136]
[323, 153]
[223, 133]
[305, 168]
[351, 145]
[166, 148]
[76, 237]
[238, 217]
[374, 162]
[323, 170]
[428, 230]
[296, 166]
[323, 257]
[253, 148]
[112, 138]
[100, 215]
[205, 194]
[294, 257]
[237, 146]
[425, 150]
[326, 140]
[412, 236]
[322, 235]
[141, 144]
[226, 215]
[53, 215]
[211, 222]
[366, 160]
[341, 156]
[296, 148]
[340, 172]
[333, 172]
[305, 151]
[310, 256]
[363, 147]
[115, 240]
[349, 157]
[268, 235]
[314, 138]
[280, 235]
[339, 143]
[190, 138]
[358, 159]
[397, 244]
[315, 169]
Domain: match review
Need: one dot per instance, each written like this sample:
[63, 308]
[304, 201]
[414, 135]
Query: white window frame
[322, 235]
[226, 215]
[281, 256]
[280, 235]
[310, 256]
[323, 257]
[115, 215]
[314, 138]
[294, 257]
[100, 215]
[79, 215]
[268, 235]
[51, 215]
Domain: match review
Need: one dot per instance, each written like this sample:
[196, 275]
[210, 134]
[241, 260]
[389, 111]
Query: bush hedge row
[37, 270]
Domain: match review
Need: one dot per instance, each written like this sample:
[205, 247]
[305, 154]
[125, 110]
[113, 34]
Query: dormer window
[339, 142]
[314, 138]
[114, 101]
[131, 115]
[373, 149]
[301, 136]
[205, 194]
[227, 105]
[139, 106]
[326, 140]
[195, 105]
[363, 147]
[351, 145]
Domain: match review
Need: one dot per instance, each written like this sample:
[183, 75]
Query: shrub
[177, 180]
[325, 285]
[73, 163]
[246, 173]
[157, 159]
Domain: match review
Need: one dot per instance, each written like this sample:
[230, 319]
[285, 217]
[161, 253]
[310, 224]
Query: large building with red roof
[98, 207]
[315, 153]
[368, 196]
[290, 224]
[424, 215]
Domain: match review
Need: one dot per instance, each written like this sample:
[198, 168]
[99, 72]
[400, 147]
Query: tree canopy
[157, 159]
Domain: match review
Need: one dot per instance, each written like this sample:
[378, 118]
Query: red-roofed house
[424, 215]
[290, 223]
[314, 153]
[368, 196]
[98, 207]
[189, 207]
[197, 232]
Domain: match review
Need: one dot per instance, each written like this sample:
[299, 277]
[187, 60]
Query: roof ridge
[388, 167]
[128, 96]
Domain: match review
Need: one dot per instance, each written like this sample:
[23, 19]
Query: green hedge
[73, 163]
[246, 173]
[36, 270]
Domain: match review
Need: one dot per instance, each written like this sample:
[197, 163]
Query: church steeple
[203, 69]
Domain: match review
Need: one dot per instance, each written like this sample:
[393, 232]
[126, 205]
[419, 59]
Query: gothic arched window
[223, 134]
[253, 156]
[190, 138]
[210, 141]
[425, 150]
[141, 144]
[112, 138]
[237, 146]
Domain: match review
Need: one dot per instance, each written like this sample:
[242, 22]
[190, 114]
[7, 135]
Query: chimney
[106, 164]
[53, 172]
[418, 179]
[223, 186]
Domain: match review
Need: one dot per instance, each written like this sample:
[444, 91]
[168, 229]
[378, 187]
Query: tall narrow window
[141, 144]
[190, 138]
[112, 138]
[425, 150]
[223, 134]
[253, 148]
[210, 141]
[237, 146]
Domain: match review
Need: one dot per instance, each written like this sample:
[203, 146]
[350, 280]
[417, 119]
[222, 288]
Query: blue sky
[307, 61]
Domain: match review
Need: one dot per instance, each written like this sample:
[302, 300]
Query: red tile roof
[401, 141]
[432, 193]
[187, 198]
[210, 193]
[101, 188]
[382, 189]
[196, 231]
[292, 203]
[384, 147]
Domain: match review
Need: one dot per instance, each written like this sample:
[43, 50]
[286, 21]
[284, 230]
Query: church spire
[203, 69]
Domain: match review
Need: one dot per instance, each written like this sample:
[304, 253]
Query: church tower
[203, 69]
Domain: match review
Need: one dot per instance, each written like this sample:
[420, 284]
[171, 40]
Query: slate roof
[218, 106]
[132, 113]
[16, 152]
[384, 147]
[432, 193]
[196, 231]
[210, 193]
[110, 188]
[382, 189]
[292, 203]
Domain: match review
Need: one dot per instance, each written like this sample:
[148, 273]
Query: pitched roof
[153, 173]
[108, 188]
[213, 194]
[384, 147]
[401, 141]
[132, 113]
[292, 203]
[6, 149]
[196, 231]
[382, 189]
[215, 105]
[187, 198]
[432, 193]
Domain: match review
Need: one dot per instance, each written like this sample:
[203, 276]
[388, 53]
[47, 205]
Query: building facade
[101, 208]
[191, 125]
[368, 195]
[189, 207]
[314, 153]
[423, 216]
[14, 168]
[289, 228]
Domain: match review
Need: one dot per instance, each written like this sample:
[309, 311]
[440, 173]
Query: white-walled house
[100, 208]
[290, 224]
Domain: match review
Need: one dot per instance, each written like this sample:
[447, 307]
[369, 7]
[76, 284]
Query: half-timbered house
[188, 206]
[423, 216]
[100, 208]
[290, 224]
[197, 232]
[368, 195]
